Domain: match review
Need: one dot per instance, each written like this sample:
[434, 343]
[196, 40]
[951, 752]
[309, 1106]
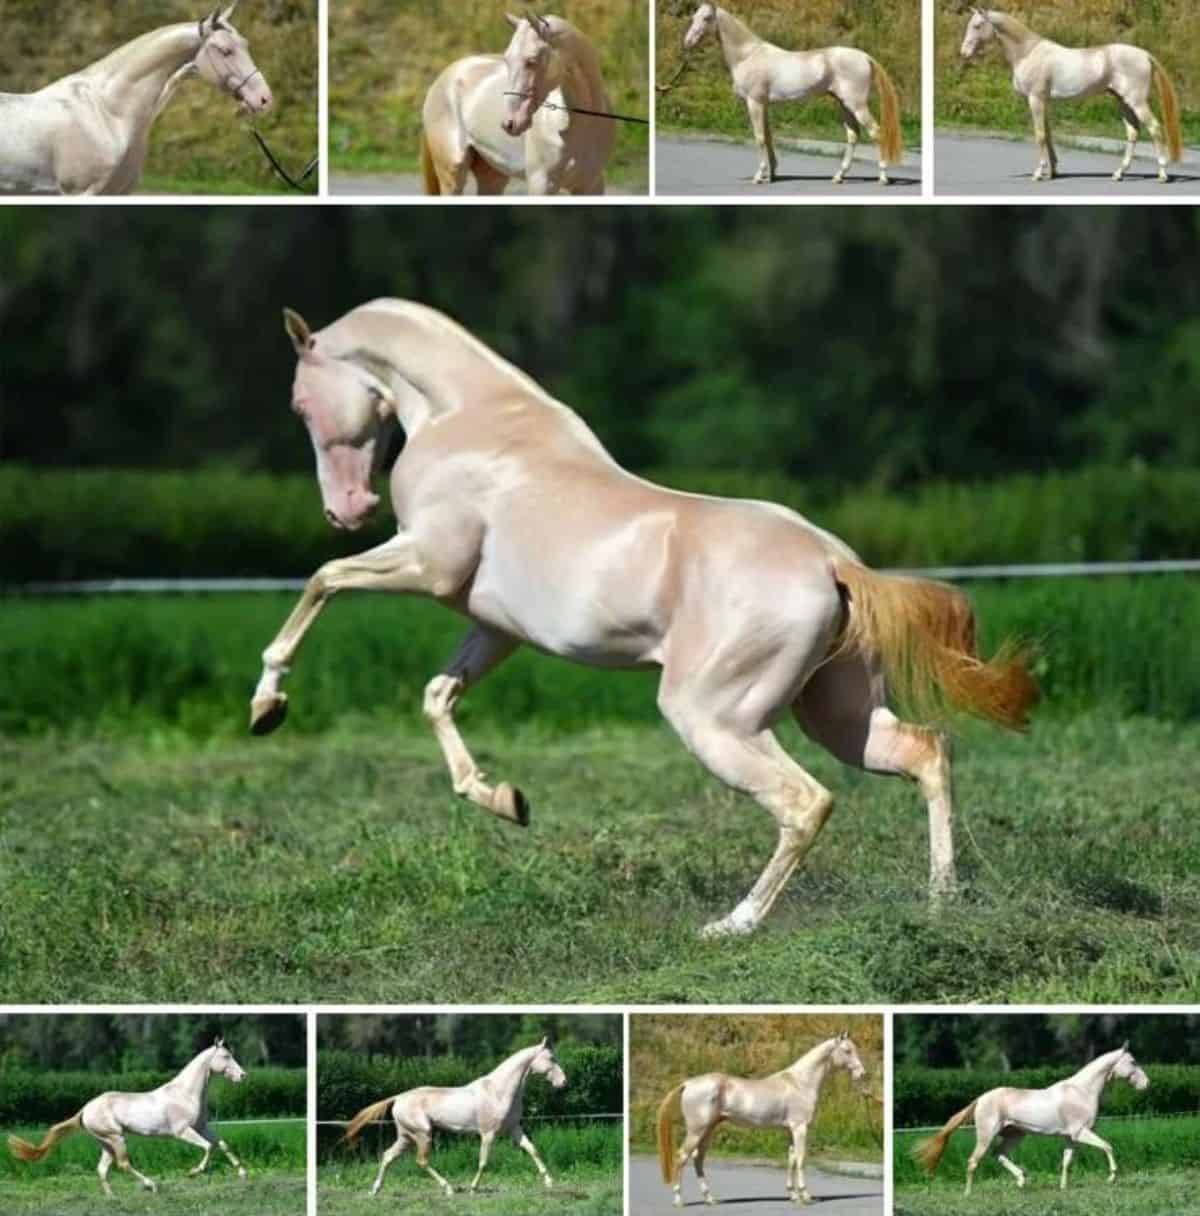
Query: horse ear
[219, 1041]
[513, 21]
[229, 11]
[1125, 1045]
[298, 331]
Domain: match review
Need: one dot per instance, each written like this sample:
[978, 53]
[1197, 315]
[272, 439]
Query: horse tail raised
[666, 1157]
[35, 1152]
[428, 172]
[929, 1152]
[1170, 108]
[368, 1114]
[891, 142]
[924, 634]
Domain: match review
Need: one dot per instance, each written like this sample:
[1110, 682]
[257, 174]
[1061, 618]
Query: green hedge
[926, 1097]
[57, 524]
[48, 1097]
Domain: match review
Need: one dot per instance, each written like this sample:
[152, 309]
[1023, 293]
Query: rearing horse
[89, 132]
[491, 1105]
[498, 117]
[178, 1109]
[511, 512]
[1067, 1109]
[1043, 70]
[787, 1098]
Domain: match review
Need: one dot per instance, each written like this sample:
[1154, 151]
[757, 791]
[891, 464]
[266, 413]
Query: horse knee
[441, 693]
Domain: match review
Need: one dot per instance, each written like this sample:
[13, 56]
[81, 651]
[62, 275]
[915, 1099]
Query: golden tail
[666, 1155]
[891, 142]
[929, 1152]
[367, 1115]
[1170, 109]
[924, 634]
[428, 172]
[60, 1131]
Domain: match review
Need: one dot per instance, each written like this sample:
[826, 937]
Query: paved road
[408, 184]
[703, 166]
[751, 1190]
[969, 164]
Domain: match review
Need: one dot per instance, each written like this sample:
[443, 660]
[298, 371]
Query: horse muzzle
[354, 513]
[517, 124]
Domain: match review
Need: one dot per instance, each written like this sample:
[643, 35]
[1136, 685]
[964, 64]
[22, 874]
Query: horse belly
[454, 1110]
[1077, 73]
[794, 76]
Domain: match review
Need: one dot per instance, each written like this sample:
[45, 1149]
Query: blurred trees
[836, 345]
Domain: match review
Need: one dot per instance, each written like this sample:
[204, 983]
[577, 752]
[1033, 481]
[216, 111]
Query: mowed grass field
[584, 1159]
[65, 1183]
[383, 57]
[1156, 1160]
[980, 94]
[703, 100]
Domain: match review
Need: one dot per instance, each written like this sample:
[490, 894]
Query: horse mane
[738, 24]
[813, 1055]
[135, 46]
[581, 46]
[1008, 24]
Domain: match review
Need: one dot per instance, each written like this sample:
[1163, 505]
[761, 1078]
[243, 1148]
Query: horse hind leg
[1145, 116]
[1132, 131]
[687, 1150]
[1009, 1141]
[105, 1164]
[698, 1165]
[389, 1155]
[480, 653]
[488, 179]
[121, 1153]
[842, 708]
[424, 1144]
[853, 127]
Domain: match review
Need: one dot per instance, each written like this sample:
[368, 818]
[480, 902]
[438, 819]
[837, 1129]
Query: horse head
[1128, 1069]
[224, 61]
[704, 22]
[980, 31]
[222, 1062]
[529, 60]
[545, 1064]
[344, 405]
[845, 1055]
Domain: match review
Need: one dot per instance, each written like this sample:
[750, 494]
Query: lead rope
[551, 105]
[868, 1098]
[684, 64]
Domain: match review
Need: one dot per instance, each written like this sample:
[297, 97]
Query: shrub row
[929, 1096]
[212, 523]
[48, 1097]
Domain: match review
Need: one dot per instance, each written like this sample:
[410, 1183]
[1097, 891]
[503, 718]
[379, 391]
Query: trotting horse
[487, 115]
[763, 73]
[787, 1098]
[1042, 70]
[178, 1109]
[490, 1106]
[512, 513]
[89, 132]
[1067, 1109]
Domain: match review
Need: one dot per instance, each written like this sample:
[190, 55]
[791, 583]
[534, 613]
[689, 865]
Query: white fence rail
[194, 586]
[1183, 1114]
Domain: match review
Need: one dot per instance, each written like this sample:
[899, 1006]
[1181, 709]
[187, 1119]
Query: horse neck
[1093, 1077]
[579, 71]
[133, 76]
[193, 1077]
[1016, 39]
[509, 1077]
[812, 1067]
[738, 40]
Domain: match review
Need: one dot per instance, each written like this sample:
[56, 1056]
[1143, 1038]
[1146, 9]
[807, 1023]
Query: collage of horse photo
[597, 607]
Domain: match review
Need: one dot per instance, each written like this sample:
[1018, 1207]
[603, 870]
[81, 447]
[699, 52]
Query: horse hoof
[727, 926]
[1117, 175]
[838, 179]
[267, 713]
[510, 803]
[242, 1173]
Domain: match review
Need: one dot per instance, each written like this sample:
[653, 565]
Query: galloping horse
[1042, 70]
[178, 1109]
[484, 115]
[89, 132]
[491, 1106]
[763, 73]
[1067, 1109]
[512, 513]
[787, 1098]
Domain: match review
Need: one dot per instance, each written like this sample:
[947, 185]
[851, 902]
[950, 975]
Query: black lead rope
[550, 105]
[295, 183]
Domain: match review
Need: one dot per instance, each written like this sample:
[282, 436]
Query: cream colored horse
[490, 1106]
[89, 132]
[1042, 70]
[178, 1109]
[511, 512]
[497, 117]
[763, 73]
[787, 1098]
[1067, 1109]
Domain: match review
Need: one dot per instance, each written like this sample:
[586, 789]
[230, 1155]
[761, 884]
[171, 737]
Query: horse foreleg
[485, 1147]
[1068, 1153]
[190, 1135]
[1087, 1136]
[396, 565]
[761, 125]
[481, 651]
[1037, 109]
[389, 1155]
[800, 1194]
[488, 179]
[1132, 131]
[524, 1143]
[851, 123]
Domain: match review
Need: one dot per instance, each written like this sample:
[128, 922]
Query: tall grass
[665, 1049]
[702, 99]
[383, 57]
[981, 94]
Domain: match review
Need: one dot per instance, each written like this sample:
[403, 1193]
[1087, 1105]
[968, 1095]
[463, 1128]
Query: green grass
[341, 868]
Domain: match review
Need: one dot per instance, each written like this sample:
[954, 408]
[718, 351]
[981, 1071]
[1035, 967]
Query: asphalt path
[409, 184]
[973, 164]
[754, 1190]
[710, 166]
